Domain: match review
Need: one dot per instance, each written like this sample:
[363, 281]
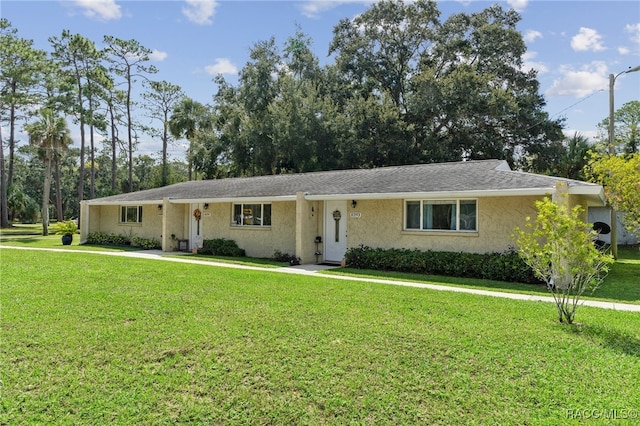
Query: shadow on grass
[21, 239]
[622, 342]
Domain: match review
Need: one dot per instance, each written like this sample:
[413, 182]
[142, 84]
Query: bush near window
[221, 247]
[102, 238]
[506, 266]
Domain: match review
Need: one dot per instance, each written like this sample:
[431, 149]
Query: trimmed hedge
[221, 247]
[507, 266]
[102, 238]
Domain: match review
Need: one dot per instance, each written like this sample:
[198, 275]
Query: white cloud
[200, 11]
[529, 63]
[157, 55]
[587, 39]
[518, 5]
[623, 50]
[100, 9]
[222, 66]
[634, 30]
[590, 78]
[313, 8]
[532, 35]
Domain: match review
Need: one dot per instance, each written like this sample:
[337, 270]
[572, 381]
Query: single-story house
[470, 206]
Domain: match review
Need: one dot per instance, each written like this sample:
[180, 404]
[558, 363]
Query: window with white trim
[131, 214]
[251, 215]
[441, 215]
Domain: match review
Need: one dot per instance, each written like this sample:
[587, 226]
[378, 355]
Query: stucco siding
[256, 241]
[380, 224]
[108, 221]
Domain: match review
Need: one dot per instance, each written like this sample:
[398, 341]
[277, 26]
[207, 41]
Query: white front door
[195, 240]
[335, 230]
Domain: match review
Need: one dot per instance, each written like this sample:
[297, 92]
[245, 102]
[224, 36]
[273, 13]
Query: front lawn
[622, 284]
[89, 339]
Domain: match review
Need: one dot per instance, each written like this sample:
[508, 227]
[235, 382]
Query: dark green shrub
[221, 247]
[102, 238]
[507, 266]
[291, 259]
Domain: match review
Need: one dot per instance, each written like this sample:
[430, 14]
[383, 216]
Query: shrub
[507, 266]
[221, 247]
[146, 243]
[98, 238]
[291, 259]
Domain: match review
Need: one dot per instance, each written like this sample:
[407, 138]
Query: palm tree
[188, 118]
[50, 135]
[575, 157]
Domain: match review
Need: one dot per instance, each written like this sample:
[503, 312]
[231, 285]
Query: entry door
[335, 230]
[195, 239]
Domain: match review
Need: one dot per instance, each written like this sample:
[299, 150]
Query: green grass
[250, 261]
[88, 339]
[622, 284]
[31, 236]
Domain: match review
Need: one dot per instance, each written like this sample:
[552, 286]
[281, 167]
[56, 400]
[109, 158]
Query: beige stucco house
[468, 206]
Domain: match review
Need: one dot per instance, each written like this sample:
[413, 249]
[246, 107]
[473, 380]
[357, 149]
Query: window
[252, 214]
[131, 214]
[444, 215]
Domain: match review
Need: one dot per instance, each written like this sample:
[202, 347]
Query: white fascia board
[436, 194]
[121, 203]
[596, 191]
[244, 200]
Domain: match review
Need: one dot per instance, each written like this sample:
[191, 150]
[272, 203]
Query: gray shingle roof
[469, 176]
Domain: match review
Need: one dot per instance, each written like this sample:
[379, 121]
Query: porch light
[206, 206]
[159, 207]
[354, 203]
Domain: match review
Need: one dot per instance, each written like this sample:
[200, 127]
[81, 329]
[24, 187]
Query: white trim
[236, 200]
[589, 190]
[456, 231]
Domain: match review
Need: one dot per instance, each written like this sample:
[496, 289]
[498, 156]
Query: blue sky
[574, 45]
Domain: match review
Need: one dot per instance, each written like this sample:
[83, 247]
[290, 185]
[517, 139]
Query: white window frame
[455, 201]
[124, 213]
[240, 221]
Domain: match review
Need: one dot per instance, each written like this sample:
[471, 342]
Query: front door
[335, 230]
[195, 239]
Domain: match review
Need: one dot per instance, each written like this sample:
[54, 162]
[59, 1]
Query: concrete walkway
[314, 269]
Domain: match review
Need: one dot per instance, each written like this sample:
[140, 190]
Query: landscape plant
[66, 227]
[504, 266]
[559, 247]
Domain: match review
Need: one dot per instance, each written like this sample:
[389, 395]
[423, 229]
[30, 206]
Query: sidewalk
[314, 269]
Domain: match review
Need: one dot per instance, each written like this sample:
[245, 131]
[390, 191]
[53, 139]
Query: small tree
[620, 176]
[559, 248]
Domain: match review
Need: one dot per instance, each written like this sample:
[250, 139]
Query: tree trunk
[129, 125]
[4, 209]
[114, 147]
[165, 138]
[12, 143]
[59, 211]
[46, 189]
[92, 171]
[81, 171]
